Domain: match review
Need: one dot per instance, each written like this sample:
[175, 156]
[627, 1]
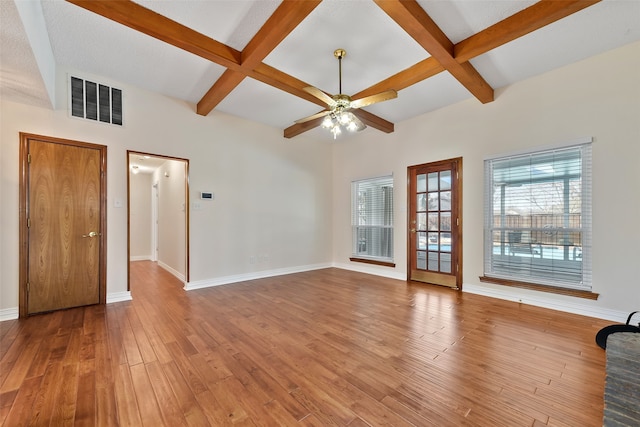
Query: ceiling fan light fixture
[338, 114]
[335, 130]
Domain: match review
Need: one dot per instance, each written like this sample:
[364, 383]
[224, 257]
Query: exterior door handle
[91, 234]
[413, 230]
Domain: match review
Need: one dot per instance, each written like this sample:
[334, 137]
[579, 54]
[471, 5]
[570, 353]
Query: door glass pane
[445, 180]
[433, 241]
[422, 202]
[433, 182]
[422, 221]
[445, 242]
[445, 221]
[433, 261]
[445, 263]
[421, 260]
[445, 200]
[433, 221]
[421, 240]
[432, 201]
[422, 183]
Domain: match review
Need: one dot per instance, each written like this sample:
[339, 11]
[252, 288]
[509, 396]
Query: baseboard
[9, 314]
[171, 270]
[140, 258]
[538, 299]
[388, 272]
[200, 284]
[118, 297]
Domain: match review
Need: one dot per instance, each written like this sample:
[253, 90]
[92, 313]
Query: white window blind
[538, 217]
[372, 218]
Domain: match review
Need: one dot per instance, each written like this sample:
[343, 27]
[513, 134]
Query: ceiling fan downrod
[339, 53]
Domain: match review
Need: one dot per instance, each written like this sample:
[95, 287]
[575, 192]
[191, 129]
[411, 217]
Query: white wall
[170, 177]
[273, 196]
[598, 97]
[283, 205]
[140, 196]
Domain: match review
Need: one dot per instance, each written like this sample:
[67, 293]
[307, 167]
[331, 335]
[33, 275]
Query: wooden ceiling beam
[283, 81]
[416, 73]
[227, 82]
[524, 22]
[280, 24]
[153, 24]
[285, 19]
[411, 17]
[517, 25]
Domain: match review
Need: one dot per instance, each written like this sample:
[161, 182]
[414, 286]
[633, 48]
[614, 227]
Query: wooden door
[435, 209]
[63, 201]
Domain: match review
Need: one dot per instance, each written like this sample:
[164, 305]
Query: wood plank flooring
[322, 348]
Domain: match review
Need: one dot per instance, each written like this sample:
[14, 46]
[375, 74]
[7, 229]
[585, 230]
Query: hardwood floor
[321, 348]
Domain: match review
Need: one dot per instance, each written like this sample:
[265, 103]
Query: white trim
[578, 141]
[200, 284]
[171, 270]
[388, 272]
[9, 314]
[119, 297]
[539, 299]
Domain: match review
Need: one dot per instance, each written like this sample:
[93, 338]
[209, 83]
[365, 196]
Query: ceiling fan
[338, 114]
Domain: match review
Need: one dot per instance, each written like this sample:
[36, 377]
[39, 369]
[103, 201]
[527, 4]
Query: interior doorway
[158, 203]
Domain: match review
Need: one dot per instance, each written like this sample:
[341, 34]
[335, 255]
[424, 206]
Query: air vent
[94, 101]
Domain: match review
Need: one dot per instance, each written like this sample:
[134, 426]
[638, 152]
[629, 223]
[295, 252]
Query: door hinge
[458, 222]
[29, 158]
[28, 222]
[28, 287]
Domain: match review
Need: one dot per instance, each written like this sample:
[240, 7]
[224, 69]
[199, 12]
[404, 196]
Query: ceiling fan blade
[372, 99]
[314, 116]
[320, 95]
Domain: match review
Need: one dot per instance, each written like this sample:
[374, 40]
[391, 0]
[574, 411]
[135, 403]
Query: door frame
[456, 210]
[186, 212]
[23, 274]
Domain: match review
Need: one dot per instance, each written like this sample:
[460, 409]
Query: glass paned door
[434, 243]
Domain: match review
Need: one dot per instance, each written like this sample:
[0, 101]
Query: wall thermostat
[206, 195]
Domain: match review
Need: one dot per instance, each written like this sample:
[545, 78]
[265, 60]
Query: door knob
[413, 230]
[91, 234]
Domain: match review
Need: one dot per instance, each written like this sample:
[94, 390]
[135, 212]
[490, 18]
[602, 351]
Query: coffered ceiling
[252, 58]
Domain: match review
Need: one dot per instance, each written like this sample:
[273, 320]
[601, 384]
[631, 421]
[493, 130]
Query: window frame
[495, 273]
[381, 223]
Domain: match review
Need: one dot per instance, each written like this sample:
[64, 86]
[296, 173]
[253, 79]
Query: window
[372, 219]
[538, 217]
